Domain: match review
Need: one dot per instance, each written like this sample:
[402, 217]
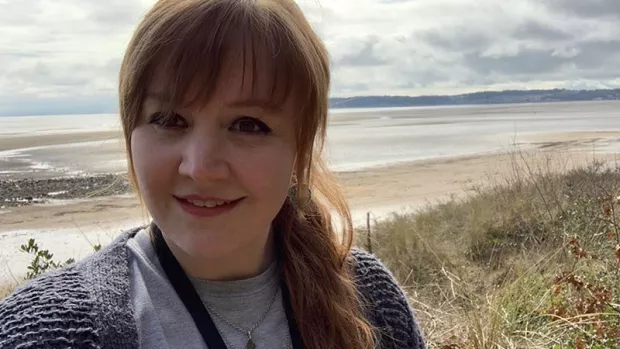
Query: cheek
[152, 162]
[267, 173]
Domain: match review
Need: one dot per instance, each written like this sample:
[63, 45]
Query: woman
[224, 107]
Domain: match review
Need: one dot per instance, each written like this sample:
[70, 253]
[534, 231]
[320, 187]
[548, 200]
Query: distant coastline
[477, 98]
[108, 106]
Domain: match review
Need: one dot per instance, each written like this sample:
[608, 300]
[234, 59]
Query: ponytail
[317, 271]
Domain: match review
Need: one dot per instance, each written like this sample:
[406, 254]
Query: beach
[90, 202]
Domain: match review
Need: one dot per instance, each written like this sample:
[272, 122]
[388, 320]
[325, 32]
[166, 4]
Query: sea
[62, 145]
[357, 138]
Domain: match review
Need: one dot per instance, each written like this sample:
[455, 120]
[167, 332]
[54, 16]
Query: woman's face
[214, 177]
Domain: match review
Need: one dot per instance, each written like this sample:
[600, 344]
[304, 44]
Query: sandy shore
[69, 228]
[12, 143]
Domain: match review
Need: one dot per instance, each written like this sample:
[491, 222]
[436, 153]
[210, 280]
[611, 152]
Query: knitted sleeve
[388, 307]
[52, 311]
[85, 305]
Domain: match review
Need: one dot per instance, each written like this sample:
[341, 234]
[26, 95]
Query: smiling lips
[206, 207]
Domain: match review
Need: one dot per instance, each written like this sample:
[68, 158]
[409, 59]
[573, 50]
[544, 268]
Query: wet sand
[20, 142]
[406, 185]
[69, 228]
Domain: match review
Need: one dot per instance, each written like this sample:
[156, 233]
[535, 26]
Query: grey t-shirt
[163, 321]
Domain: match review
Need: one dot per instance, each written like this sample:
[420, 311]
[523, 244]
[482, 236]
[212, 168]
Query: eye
[168, 120]
[250, 125]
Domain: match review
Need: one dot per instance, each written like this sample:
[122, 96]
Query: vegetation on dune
[531, 260]
[42, 262]
[6, 289]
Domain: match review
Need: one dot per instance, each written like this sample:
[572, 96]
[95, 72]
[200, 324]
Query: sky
[63, 56]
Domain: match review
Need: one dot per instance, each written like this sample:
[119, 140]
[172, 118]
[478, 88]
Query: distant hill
[490, 97]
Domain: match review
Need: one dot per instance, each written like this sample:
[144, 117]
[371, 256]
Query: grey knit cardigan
[88, 305]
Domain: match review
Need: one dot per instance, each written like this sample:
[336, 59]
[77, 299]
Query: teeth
[209, 204]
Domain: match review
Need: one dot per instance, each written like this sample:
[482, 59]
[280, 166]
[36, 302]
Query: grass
[6, 289]
[530, 260]
[527, 260]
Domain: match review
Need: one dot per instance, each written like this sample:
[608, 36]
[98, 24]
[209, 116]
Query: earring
[292, 195]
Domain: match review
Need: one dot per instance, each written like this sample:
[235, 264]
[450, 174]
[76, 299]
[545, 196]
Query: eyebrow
[256, 102]
[264, 104]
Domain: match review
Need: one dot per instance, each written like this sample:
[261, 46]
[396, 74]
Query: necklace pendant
[250, 344]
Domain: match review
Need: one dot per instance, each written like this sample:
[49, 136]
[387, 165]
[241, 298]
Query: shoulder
[79, 306]
[387, 303]
[52, 311]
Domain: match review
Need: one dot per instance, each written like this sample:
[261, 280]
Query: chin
[207, 244]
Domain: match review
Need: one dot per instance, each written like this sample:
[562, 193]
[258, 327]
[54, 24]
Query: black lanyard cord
[188, 295]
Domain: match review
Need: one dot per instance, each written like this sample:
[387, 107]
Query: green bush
[42, 260]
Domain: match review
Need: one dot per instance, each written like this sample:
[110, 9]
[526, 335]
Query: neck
[244, 263]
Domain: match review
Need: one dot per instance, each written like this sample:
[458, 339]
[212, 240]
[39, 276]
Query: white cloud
[68, 51]
[452, 46]
[62, 50]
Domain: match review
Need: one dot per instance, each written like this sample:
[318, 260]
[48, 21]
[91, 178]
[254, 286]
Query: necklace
[250, 343]
[197, 308]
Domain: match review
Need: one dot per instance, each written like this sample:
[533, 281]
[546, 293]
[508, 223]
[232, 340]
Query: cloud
[592, 8]
[115, 14]
[362, 54]
[58, 55]
[538, 30]
[450, 46]
[63, 55]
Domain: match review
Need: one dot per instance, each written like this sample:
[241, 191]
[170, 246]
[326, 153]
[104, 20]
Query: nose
[204, 159]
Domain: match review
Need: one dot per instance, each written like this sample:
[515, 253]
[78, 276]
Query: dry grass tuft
[531, 260]
[6, 289]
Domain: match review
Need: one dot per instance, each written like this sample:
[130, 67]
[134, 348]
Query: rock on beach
[21, 192]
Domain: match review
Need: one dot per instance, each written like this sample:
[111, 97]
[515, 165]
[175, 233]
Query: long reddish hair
[189, 41]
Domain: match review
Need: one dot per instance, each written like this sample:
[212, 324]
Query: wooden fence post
[368, 232]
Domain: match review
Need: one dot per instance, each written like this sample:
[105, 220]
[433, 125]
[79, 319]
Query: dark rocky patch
[21, 192]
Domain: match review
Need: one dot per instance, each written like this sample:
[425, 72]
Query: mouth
[207, 207]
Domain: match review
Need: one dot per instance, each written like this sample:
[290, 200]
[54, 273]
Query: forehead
[242, 76]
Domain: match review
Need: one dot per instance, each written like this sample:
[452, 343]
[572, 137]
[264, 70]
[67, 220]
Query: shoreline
[25, 189]
[86, 214]
[21, 142]
[408, 184]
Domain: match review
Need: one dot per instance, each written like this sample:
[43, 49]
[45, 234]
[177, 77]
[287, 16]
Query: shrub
[42, 261]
